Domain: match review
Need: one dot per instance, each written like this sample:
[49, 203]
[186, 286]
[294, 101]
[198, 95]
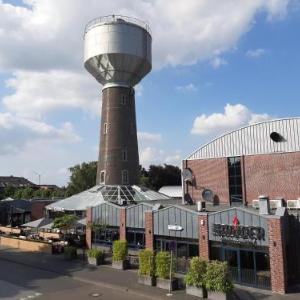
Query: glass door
[232, 258]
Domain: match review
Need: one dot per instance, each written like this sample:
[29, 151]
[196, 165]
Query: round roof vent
[276, 137]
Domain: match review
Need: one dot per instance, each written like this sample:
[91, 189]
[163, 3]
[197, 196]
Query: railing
[116, 18]
[249, 277]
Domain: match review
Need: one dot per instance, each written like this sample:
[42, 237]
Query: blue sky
[216, 67]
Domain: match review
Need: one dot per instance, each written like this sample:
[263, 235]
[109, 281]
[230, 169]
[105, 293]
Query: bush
[216, 278]
[162, 263]
[146, 262]
[196, 273]
[119, 250]
[70, 252]
[95, 253]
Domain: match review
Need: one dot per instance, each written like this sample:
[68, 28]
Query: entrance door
[232, 258]
[247, 267]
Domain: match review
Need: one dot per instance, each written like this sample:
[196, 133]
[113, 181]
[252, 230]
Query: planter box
[95, 262]
[194, 291]
[219, 296]
[146, 280]
[120, 265]
[165, 283]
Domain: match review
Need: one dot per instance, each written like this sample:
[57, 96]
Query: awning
[38, 223]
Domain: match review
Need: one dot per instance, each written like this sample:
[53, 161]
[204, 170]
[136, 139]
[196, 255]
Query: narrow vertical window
[125, 178]
[235, 179]
[124, 154]
[123, 100]
[105, 128]
[102, 177]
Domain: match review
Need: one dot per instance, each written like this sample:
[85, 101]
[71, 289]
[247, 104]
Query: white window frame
[105, 128]
[102, 173]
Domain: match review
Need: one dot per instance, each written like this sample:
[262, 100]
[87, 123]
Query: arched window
[105, 128]
[124, 154]
[102, 177]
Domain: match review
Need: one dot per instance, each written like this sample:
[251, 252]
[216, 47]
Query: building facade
[238, 167]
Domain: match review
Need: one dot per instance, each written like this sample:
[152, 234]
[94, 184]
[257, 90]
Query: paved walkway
[106, 277]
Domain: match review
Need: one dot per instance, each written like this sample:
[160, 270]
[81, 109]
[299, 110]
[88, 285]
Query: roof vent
[276, 137]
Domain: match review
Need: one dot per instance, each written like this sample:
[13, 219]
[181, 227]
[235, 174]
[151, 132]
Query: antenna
[39, 176]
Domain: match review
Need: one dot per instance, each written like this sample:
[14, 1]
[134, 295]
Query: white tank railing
[116, 19]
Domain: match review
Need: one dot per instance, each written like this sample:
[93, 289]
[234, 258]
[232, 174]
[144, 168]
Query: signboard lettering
[239, 232]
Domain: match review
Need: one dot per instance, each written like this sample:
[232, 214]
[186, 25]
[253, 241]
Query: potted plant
[119, 260]
[70, 252]
[146, 273]
[95, 257]
[195, 278]
[217, 281]
[165, 271]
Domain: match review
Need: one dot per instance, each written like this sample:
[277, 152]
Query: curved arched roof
[253, 139]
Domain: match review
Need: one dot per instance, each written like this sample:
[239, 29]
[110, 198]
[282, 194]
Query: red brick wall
[211, 174]
[88, 232]
[203, 237]
[277, 253]
[122, 224]
[149, 243]
[275, 175]
[38, 209]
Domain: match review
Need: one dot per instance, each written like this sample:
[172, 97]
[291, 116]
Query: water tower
[117, 52]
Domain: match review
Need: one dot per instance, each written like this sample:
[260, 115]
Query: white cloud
[139, 89]
[218, 62]
[150, 155]
[234, 116]
[37, 93]
[16, 133]
[174, 159]
[149, 137]
[256, 53]
[47, 34]
[190, 87]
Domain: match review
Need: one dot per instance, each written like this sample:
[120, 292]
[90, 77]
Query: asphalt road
[19, 282]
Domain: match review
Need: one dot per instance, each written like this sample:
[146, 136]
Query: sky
[217, 66]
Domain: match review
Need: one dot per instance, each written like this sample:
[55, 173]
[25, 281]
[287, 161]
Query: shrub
[196, 273]
[70, 252]
[146, 262]
[162, 263]
[119, 250]
[95, 253]
[216, 278]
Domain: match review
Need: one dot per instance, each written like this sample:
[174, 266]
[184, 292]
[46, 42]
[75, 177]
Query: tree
[159, 176]
[9, 191]
[27, 193]
[82, 177]
[65, 222]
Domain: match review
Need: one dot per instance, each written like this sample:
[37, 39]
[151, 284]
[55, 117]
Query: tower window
[124, 154]
[125, 178]
[105, 127]
[102, 177]
[124, 100]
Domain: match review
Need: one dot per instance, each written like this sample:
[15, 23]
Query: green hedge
[70, 252]
[162, 264]
[95, 253]
[196, 273]
[216, 277]
[119, 250]
[146, 262]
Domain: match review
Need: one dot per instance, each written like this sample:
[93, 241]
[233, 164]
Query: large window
[106, 235]
[235, 179]
[135, 238]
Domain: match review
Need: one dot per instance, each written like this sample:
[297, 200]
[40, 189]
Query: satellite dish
[187, 175]
[207, 195]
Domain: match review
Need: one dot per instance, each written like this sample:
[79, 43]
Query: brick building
[260, 245]
[239, 166]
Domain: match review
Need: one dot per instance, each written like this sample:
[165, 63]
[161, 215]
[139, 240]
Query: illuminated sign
[175, 227]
